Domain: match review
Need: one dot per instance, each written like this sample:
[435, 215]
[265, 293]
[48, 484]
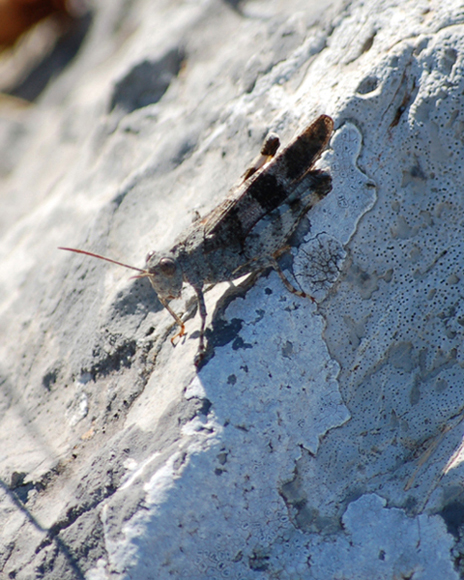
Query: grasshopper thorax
[165, 275]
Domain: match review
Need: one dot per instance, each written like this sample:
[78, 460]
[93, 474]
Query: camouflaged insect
[250, 229]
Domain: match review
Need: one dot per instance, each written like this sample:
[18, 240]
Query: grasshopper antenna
[144, 272]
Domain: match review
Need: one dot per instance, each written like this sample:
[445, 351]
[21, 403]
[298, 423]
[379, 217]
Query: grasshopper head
[165, 275]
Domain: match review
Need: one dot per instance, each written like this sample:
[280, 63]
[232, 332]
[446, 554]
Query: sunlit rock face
[320, 438]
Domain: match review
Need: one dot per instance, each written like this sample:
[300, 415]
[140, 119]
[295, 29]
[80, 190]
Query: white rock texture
[320, 440]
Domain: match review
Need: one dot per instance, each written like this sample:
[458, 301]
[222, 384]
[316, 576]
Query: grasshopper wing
[269, 187]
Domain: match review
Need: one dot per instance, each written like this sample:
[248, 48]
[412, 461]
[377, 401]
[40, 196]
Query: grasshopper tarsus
[180, 334]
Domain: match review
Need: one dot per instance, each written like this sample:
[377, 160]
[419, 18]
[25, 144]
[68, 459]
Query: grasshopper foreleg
[176, 318]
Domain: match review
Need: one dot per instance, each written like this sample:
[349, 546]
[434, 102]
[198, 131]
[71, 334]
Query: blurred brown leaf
[17, 16]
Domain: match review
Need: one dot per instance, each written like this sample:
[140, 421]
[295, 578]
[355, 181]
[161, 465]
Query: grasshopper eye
[167, 266]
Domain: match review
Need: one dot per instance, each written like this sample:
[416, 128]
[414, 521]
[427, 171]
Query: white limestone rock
[321, 440]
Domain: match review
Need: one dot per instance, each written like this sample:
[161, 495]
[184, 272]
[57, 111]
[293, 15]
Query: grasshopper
[249, 230]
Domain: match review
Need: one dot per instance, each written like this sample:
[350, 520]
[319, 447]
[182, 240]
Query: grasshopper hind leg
[290, 287]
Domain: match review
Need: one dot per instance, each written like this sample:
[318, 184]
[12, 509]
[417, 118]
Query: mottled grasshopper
[250, 229]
